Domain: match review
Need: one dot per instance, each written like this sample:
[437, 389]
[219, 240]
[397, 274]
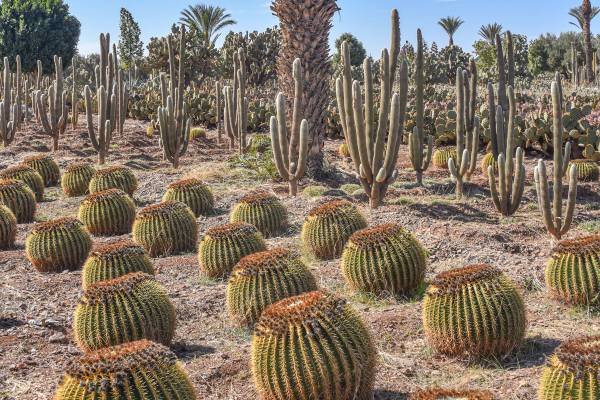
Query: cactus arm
[369, 110]
[503, 180]
[566, 158]
[384, 110]
[282, 132]
[302, 150]
[493, 189]
[500, 131]
[474, 149]
[492, 120]
[361, 134]
[544, 197]
[339, 95]
[277, 149]
[571, 200]
[391, 156]
[296, 110]
[558, 164]
[347, 106]
[89, 112]
[518, 185]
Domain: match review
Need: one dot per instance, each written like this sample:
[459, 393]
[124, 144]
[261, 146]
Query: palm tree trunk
[451, 41]
[586, 11]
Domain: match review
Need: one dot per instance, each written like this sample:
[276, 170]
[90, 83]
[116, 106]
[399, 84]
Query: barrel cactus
[28, 175]
[263, 210]
[8, 228]
[19, 198]
[113, 260]
[45, 165]
[475, 310]
[76, 179]
[385, 259]
[344, 151]
[487, 161]
[264, 278]
[573, 371]
[141, 370]
[125, 309]
[445, 394]
[58, 245]
[312, 346]
[329, 226]
[442, 155]
[223, 246]
[107, 213]
[573, 271]
[166, 228]
[587, 170]
[114, 178]
[193, 193]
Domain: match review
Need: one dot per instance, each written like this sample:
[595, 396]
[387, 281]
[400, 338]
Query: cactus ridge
[28, 175]
[442, 155]
[193, 193]
[107, 213]
[313, 346]
[19, 198]
[76, 180]
[263, 210]
[116, 177]
[587, 170]
[124, 309]
[446, 394]
[8, 228]
[46, 167]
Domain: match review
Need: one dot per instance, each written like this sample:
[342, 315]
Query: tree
[587, 12]
[579, 22]
[450, 25]
[131, 48]
[488, 32]
[357, 50]
[487, 67]
[207, 21]
[37, 30]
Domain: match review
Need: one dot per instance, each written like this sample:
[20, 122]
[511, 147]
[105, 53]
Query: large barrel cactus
[76, 179]
[442, 155]
[223, 246]
[166, 228]
[58, 245]
[8, 228]
[263, 210]
[141, 370]
[28, 175]
[114, 260]
[194, 194]
[573, 371]
[114, 178]
[45, 165]
[385, 259]
[475, 311]
[587, 170]
[573, 271]
[19, 198]
[121, 310]
[107, 213]
[313, 346]
[262, 279]
[329, 226]
[450, 394]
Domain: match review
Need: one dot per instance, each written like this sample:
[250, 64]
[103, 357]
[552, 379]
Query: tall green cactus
[56, 123]
[121, 94]
[74, 97]
[290, 157]
[218, 108]
[236, 103]
[18, 93]
[8, 126]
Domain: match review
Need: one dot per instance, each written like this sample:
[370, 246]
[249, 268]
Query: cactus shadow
[448, 211]
[586, 193]
[532, 353]
[188, 351]
[7, 323]
[390, 395]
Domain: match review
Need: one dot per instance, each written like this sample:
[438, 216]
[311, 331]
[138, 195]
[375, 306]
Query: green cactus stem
[54, 116]
[8, 110]
[19, 198]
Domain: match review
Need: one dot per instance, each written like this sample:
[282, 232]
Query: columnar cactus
[46, 167]
[166, 228]
[340, 363]
[450, 394]
[74, 97]
[8, 228]
[76, 180]
[475, 310]
[194, 194]
[235, 115]
[262, 279]
[54, 116]
[8, 110]
[28, 175]
[19, 198]
[107, 213]
[113, 178]
[224, 245]
[384, 259]
[58, 245]
[218, 108]
[290, 157]
[329, 226]
[122, 372]
[442, 155]
[264, 211]
[587, 170]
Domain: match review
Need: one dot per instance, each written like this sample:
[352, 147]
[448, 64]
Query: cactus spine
[55, 123]
[8, 125]
[236, 103]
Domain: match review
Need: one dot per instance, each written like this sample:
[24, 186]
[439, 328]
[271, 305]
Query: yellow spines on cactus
[573, 371]
[573, 271]
[223, 246]
[197, 133]
[487, 161]
[166, 228]
[58, 245]
[263, 210]
[8, 228]
[19, 198]
[475, 311]
[194, 194]
[114, 260]
[587, 170]
[76, 179]
[114, 178]
[450, 394]
[107, 213]
[441, 156]
[385, 259]
[329, 226]
[343, 150]
[313, 346]
[141, 370]
[45, 165]
[263, 278]
[125, 309]
[28, 175]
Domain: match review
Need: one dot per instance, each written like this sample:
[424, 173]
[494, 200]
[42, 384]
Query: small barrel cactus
[223, 246]
[19, 198]
[573, 271]
[344, 151]
[114, 178]
[573, 371]
[166, 228]
[263, 210]
[107, 213]
[385, 259]
[487, 161]
[442, 155]
[197, 133]
[8, 228]
[58, 245]
[124, 309]
[29, 176]
[45, 165]
[194, 194]
[312, 346]
[587, 170]
[475, 310]
[329, 226]
[114, 260]
[76, 180]
[262, 279]
[141, 370]
[446, 394]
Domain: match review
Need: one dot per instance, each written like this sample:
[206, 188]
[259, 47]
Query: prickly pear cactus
[46, 167]
[446, 394]
[8, 228]
[28, 175]
[107, 213]
[19, 198]
[114, 178]
[587, 170]
[442, 155]
[193, 193]
[263, 210]
[76, 180]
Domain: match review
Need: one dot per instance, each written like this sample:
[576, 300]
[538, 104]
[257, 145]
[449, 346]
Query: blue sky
[366, 19]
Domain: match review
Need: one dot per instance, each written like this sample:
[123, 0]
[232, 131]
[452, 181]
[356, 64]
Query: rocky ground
[36, 310]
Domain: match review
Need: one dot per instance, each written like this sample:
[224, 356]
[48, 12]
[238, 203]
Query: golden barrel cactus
[29, 176]
[487, 161]
[19, 198]
[76, 179]
[263, 210]
[194, 194]
[441, 156]
[587, 170]
[107, 213]
[8, 228]
[45, 165]
[114, 178]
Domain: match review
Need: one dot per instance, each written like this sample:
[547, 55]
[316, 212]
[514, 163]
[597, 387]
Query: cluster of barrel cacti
[27, 175]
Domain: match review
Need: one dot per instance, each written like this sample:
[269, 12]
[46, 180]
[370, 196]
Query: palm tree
[207, 21]
[489, 32]
[575, 12]
[583, 18]
[450, 25]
